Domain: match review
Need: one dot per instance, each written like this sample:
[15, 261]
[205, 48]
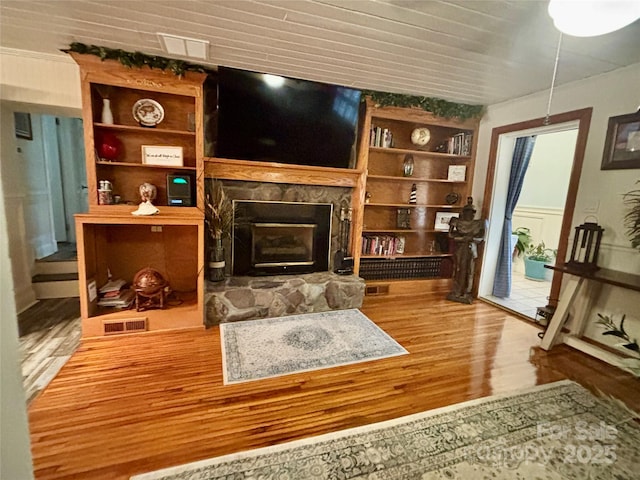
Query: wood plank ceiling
[467, 51]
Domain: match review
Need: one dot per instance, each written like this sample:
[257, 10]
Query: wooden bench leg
[560, 315]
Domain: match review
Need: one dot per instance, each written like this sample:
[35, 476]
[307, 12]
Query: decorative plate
[147, 112]
[452, 198]
[420, 136]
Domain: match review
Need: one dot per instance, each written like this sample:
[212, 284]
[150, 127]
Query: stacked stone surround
[340, 197]
[248, 298]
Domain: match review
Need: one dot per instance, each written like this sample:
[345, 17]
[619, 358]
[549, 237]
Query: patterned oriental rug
[554, 431]
[270, 347]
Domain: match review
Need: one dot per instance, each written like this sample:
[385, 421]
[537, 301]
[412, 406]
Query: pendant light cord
[553, 80]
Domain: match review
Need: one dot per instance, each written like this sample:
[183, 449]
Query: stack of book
[114, 294]
[382, 245]
[460, 144]
[380, 137]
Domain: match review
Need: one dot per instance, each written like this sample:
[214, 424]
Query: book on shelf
[112, 286]
[457, 173]
[380, 137]
[460, 144]
[120, 299]
[382, 245]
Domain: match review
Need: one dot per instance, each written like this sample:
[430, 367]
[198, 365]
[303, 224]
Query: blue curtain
[519, 164]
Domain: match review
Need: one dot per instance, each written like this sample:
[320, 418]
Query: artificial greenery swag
[437, 106]
[137, 59]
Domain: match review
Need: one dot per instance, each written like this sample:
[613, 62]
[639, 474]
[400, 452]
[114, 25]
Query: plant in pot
[218, 217]
[535, 258]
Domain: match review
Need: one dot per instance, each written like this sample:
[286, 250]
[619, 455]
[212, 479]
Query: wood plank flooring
[49, 332]
[137, 403]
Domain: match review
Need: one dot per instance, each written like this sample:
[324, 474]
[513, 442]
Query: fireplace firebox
[273, 238]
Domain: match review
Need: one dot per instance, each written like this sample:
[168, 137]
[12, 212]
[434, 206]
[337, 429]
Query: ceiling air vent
[114, 327]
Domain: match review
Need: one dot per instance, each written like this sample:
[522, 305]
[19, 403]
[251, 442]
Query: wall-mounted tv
[276, 119]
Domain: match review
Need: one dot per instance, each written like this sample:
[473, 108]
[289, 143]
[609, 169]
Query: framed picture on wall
[22, 122]
[622, 144]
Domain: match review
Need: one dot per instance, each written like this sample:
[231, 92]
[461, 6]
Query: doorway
[502, 144]
[539, 212]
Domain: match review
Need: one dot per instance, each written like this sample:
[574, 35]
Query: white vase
[107, 115]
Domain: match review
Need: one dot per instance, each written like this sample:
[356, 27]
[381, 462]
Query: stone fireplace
[280, 257]
[274, 238]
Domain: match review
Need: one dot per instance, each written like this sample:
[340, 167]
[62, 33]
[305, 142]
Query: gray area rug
[270, 347]
[555, 431]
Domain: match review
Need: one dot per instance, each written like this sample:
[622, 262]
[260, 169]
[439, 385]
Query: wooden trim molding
[583, 117]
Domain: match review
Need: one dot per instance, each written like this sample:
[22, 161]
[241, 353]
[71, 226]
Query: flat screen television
[276, 119]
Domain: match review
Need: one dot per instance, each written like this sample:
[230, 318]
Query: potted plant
[522, 239]
[218, 217]
[535, 258]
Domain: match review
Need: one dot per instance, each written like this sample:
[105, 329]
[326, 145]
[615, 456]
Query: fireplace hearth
[275, 238]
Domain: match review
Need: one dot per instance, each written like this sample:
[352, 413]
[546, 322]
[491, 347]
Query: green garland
[137, 59]
[437, 106]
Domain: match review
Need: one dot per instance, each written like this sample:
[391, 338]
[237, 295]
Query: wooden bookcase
[387, 190]
[110, 239]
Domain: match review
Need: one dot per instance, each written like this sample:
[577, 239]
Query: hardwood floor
[138, 403]
[49, 332]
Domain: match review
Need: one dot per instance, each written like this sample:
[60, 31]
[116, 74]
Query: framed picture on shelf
[622, 143]
[22, 122]
[162, 155]
[457, 173]
[443, 219]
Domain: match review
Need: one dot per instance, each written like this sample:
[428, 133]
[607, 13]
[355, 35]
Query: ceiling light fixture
[590, 18]
[184, 47]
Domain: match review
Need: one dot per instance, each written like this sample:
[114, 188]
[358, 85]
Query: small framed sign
[162, 155]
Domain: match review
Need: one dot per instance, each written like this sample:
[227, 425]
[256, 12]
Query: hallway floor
[49, 332]
[526, 295]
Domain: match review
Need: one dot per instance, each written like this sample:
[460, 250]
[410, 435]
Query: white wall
[35, 84]
[38, 84]
[15, 454]
[15, 199]
[49, 81]
[547, 179]
[610, 94]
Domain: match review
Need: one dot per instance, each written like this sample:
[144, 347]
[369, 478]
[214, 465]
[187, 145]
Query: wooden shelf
[409, 255]
[254, 171]
[387, 189]
[110, 239]
[400, 230]
[411, 179]
[409, 205]
[421, 153]
[121, 215]
[142, 165]
[130, 128]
